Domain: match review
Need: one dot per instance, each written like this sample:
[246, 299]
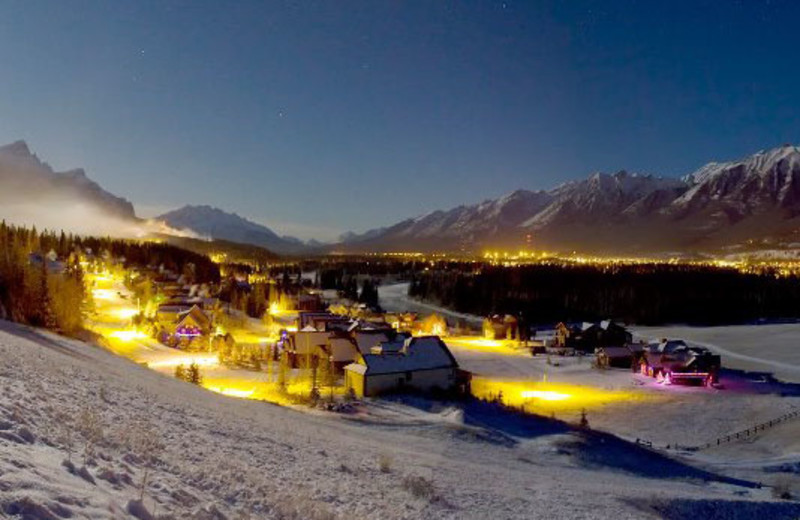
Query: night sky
[320, 117]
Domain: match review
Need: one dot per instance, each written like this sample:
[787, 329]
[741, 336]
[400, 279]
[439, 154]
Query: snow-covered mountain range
[753, 202]
[33, 193]
[24, 178]
[215, 223]
[721, 204]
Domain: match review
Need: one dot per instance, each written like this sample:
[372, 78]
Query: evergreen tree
[369, 294]
[47, 317]
[584, 423]
[193, 375]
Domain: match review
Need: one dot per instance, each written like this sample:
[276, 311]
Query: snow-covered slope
[210, 456]
[215, 223]
[602, 196]
[764, 182]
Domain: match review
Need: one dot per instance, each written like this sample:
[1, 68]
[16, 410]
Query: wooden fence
[733, 437]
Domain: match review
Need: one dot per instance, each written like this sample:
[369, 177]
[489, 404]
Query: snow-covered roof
[365, 340]
[172, 309]
[196, 313]
[358, 368]
[616, 351]
[389, 346]
[671, 345]
[421, 353]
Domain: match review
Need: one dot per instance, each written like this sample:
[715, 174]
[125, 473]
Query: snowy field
[759, 348]
[394, 298]
[636, 407]
[213, 456]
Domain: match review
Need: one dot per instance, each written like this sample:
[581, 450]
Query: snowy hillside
[80, 428]
[215, 223]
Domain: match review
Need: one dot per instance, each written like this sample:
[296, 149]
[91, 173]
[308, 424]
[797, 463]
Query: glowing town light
[201, 360]
[188, 332]
[553, 396]
[127, 335]
[218, 258]
[547, 395]
[274, 308]
[494, 346]
[232, 392]
[103, 294]
[125, 314]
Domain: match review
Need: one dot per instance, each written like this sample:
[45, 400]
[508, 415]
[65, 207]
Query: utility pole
[332, 375]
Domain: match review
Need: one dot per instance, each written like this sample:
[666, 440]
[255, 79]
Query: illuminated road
[394, 298]
[500, 367]
[112, 319]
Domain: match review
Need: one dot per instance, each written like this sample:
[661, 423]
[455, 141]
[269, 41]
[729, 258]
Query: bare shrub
[144, 441]
[299, 507]
[584, 422]
[90, 427]
[64, 433]
[782, 489]
[420, 487]
[385, 463]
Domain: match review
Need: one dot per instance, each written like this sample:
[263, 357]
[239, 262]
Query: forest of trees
[29, 293]
[32, 293]
[143, 254]
[642, 294]
[348, 287]
[252, 300]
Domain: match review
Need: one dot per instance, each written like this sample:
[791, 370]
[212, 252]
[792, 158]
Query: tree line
[41, 278]
[642, 294]
[155, 254]
[29, 292]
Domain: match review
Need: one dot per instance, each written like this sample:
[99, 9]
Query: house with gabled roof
[193, 323]
[418, 364]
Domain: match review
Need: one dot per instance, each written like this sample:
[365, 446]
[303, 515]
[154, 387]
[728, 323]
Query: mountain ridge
[751, 200]
[215, 223]
[716, 205]
[23, 175]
